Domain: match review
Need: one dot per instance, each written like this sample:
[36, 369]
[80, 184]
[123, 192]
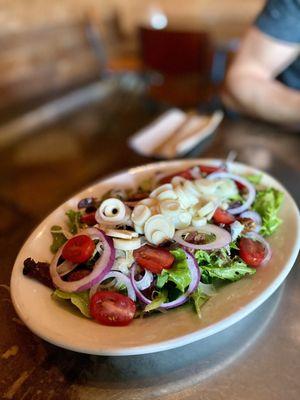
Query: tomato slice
[223, 217]
[209, 169]
[89, 219]
[251, 252]
[184, 174]
[78, 249]
[112, 308]
[154, 259]
[240, 186]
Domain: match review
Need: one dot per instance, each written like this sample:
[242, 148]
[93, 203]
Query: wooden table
[258, 358]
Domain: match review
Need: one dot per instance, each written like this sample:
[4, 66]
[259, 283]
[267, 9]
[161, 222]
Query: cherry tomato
[240, 186]
[223, 217]
[77, 275]
[112, 308]
[89, 219]
[78, 249]
[184, 174]
[153, 259]
[209, 169]
[251, 252]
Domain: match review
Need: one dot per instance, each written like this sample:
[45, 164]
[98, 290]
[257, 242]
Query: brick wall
[222, 17]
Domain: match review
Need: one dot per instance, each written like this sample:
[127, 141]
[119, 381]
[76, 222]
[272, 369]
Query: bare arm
[250, 86]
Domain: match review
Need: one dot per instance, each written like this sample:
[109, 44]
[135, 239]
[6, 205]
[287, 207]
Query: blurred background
[49, 47]
[77, 79]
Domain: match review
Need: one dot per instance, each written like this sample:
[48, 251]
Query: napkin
[174, 133]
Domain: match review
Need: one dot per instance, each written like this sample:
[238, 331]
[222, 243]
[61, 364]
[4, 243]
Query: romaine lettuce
[178, 274]
[58, 238]
[80, 300]
[267, 203]
[219, 264]
[199, 298]
[158, 301]
[73, 221]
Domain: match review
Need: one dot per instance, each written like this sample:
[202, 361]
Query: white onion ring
[236, 228]
[195, 279]
[121, 278]
[255, 217]
[102, 266]
[65, 267]
[223, 238]
[243, 181]
[268, 252]
[195, 172]
[146, 280]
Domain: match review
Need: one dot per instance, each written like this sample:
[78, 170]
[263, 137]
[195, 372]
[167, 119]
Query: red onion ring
[120, 278]
[223, 238]
[195, 279]
[102, 266]
[255, 217]
[268, 252]
[243, 181]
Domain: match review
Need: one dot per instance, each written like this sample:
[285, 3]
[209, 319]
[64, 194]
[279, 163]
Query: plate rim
[183, 339]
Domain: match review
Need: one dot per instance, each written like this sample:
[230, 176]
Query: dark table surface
[257, 358]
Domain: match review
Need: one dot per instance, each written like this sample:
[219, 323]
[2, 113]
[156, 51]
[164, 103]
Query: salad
[175, 239]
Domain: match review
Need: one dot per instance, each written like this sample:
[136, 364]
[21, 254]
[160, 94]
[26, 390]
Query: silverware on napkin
[175, 133]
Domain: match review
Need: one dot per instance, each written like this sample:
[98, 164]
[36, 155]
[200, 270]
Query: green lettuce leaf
[146, 185]
[158, 301]
[199, 298]
[232, 271]
[267, 203]
[58, 238]
[80, 300]
[219, 264]
[255, 178]
[178, 274]
[73, 221]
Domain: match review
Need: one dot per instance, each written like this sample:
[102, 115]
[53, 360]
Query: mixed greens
[174, 240]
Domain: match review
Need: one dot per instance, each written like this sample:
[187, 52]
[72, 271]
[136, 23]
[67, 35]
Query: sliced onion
[195, 172]
[255, 217]
[139, 294]
[244, 182]
[268, 252]
[121, 279]
[195, 279]
[223, 238]
[65, 267]
[232, 155]
[236, 228]
[146, 280]
[102, 266]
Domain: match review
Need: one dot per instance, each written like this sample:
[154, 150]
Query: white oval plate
[58, 325]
